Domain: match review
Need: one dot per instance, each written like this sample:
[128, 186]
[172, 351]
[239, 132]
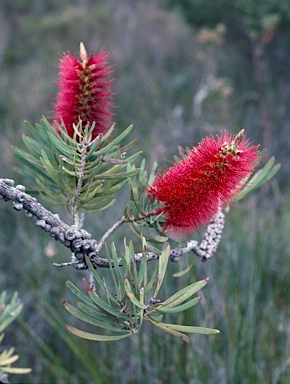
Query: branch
[77, 240]
[80, 242]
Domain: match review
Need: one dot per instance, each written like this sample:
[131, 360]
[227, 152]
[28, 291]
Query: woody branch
[81, 243]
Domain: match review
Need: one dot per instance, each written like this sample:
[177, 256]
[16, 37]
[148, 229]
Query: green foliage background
[161, 63]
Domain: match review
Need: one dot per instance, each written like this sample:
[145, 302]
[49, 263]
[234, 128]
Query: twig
[109, 232]
[75, 198]
[121, 221]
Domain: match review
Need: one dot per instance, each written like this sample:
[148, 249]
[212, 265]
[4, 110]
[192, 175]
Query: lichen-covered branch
[81, 243]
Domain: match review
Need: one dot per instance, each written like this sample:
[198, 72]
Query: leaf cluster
[142, 211]
[8, 313]
[134, 300]
[75, 171]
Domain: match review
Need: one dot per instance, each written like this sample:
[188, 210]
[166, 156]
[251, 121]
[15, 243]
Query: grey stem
[80, 242]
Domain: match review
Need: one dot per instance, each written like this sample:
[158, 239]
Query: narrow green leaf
[158, 238]
[88, 319]
[116, 267]
[152, 282]
[108, 134]
[152, 174]
[8, 361]
[259, 178]
[93, 147]
[162, 265]
[3, 298]
[26, 158]
[92, 336]
[91, 165]
[96, 314]
[39, 133]
[178, 308]
[7, 318]
[133, 209]
[61, 146]
[172, 332]
[142, 277]
[136, 290]
[269, 175]
[131, 295]
[184, 271]
[185, 293]
[115, 188]
[53, 199]
[106, 307]
[123, 175]
[99, 281]
[16, 370]
[79, 294]
[6, 353]
[191, 329]
[34, 148]
[92, 207]
[122, 136]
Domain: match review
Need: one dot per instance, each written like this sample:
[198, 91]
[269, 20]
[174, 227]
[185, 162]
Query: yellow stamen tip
[83, 53]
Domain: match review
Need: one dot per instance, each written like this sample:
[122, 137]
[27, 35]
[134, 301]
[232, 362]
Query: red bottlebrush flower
[197, 187]
[84, 92]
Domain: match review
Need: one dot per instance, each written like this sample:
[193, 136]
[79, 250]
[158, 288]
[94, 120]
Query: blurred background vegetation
[183, 69]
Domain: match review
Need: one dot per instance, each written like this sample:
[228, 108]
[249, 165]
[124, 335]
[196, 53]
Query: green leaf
[152, 281]
[157, 238]
[133, 209]
[115, 188]
[88, 319]
[97, 162]
[184, 294]
[58, 143]
[162, 265]
[185, 271]
[92, 336]
[90, 155]
[10, 311]
[172, 332]
[103, 204]
[92, 311]
[7, 352]
[26, 158]
[107, 308]
[115, 266]
[79, 294]
[191, 329]
[153, 173]
[8, 360]
[99, 280]
[124, 134]
[131, 295]
[16, 370]
[142, 277]
[178, 308]
[39, 133]
[109, 175]
[259, 178]
[32, 145]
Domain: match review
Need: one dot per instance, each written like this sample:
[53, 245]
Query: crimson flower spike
[198, 187]
[84, 92]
